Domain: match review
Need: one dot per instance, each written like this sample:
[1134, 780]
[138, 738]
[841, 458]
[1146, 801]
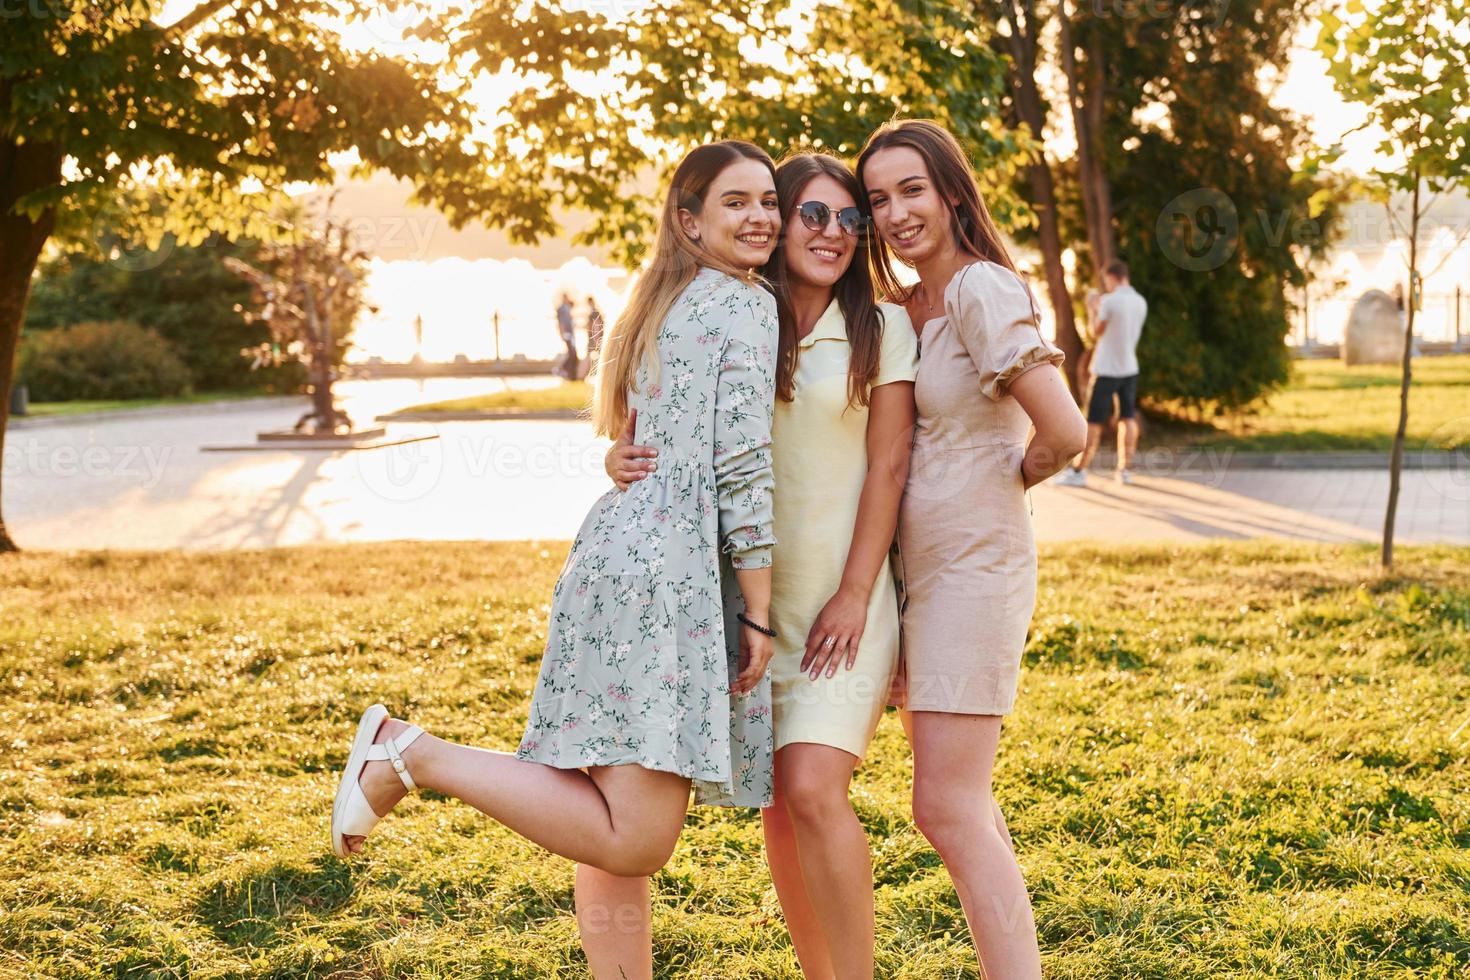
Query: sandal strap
[392, 751]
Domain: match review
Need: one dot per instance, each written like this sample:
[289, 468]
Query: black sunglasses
[815, 215]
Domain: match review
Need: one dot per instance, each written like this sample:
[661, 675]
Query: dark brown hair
[1117, 268]
[854, 291]
[974, 229]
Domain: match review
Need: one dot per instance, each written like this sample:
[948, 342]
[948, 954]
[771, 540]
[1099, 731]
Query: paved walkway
[143, 482]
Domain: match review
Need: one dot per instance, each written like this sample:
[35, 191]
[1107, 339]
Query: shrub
[109, 359]
[187, 296]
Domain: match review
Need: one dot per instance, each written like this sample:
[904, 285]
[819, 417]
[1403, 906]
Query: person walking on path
[995, 417]
[1114, 369]
[647, 684]
[567, 368]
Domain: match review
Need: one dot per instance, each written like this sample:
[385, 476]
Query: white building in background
[1373, 253]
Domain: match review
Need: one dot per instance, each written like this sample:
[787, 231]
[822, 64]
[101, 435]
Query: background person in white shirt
[1114, 369]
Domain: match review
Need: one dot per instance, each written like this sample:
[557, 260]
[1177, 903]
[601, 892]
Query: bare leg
[796, 903]
[1127, 442]
[622, 819]
[1094, 439]
[907, 720]
[1000, 825]
[835, 863]
[953, 807]
[615, 918]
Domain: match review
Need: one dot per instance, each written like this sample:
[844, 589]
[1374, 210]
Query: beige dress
[964, 532]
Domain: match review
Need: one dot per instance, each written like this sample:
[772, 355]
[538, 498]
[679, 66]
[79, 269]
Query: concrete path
[142, 482]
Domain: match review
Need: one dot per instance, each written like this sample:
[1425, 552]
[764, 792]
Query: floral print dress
[643, 647]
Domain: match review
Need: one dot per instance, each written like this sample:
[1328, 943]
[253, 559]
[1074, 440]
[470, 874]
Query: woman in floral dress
[648, 684]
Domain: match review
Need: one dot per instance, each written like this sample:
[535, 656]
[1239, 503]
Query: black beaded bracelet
[754, 625]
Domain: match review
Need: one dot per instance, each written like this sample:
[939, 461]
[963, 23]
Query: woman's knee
[946, 813]
[639, 855]
[812, 797]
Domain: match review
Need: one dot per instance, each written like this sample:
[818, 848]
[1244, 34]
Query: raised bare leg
[624, 820]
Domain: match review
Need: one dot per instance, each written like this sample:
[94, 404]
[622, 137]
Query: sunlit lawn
[1327, 406]
[1242, 760]
[569, 396]
[75, 407]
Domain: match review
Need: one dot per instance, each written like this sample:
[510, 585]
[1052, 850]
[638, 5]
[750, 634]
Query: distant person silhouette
[567, 368]
[594, 329]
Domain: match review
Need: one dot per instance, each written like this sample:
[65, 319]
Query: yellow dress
[821, 461]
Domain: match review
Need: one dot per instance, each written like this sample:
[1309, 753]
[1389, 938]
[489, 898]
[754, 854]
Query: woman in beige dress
[969, 559]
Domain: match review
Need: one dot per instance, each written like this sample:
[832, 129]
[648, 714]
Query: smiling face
[908, 209]
[819, 258]
[740, 217]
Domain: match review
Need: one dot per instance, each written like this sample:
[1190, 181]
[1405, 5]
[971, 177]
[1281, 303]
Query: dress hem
[582, 762]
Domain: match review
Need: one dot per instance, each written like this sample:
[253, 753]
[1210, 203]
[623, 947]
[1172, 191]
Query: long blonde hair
[674, 263]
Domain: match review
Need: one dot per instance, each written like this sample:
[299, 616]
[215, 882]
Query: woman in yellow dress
[840, 440]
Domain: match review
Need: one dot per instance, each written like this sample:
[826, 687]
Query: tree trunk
[1102, 191]
[1050, 240]
[1031, 111]
[1396, 460]
[23, 168]
[1086, 104]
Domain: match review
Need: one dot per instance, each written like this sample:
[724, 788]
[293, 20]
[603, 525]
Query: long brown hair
[674, 263]
[854, 291]
[974, 230]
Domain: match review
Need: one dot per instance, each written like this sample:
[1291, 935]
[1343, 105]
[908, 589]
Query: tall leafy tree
[1024, 24]
[777, 73]
[117, 129]
[1188, 170]
[1407, 63]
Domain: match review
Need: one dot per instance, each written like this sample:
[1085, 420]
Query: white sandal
[351, 814]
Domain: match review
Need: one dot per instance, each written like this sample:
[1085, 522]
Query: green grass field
[570, 396]
[1326, 406]
[1242, 760]
[76, 407]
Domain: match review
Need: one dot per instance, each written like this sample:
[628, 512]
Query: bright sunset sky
[1306, 89]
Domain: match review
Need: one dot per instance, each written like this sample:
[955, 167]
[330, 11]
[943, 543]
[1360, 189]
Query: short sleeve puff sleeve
[996, 319]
